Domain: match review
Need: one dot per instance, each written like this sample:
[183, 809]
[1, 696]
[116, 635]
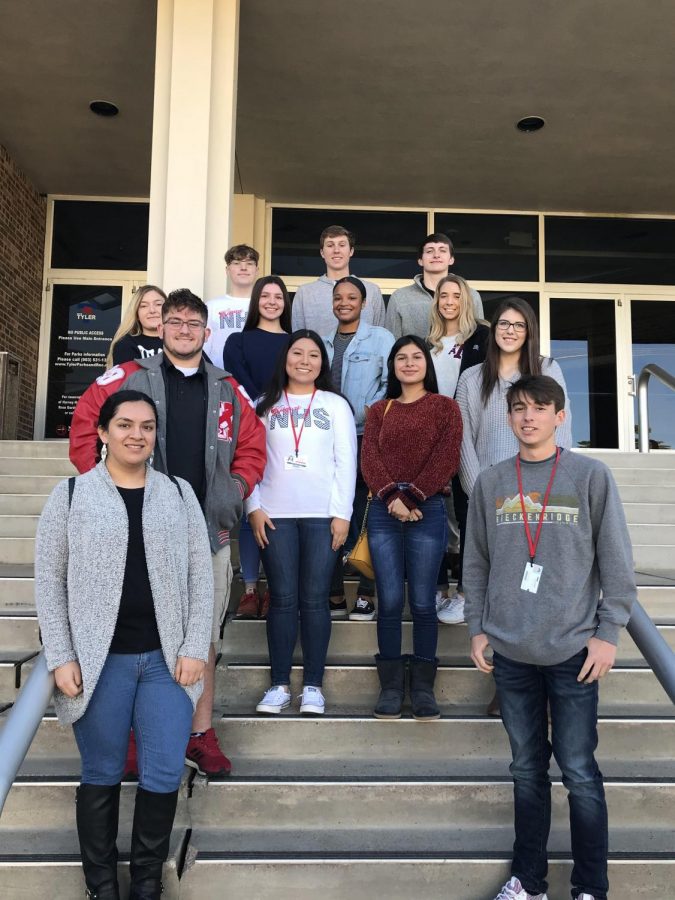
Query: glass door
[652, 340]
[583, 333]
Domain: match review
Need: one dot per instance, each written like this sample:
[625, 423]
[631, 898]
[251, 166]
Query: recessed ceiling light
[103, 108]
[530, 124]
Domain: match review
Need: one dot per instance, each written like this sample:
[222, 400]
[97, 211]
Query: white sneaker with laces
[275, 699]
[513, 890]
[312, 702]
[441, 601]
[453, 612]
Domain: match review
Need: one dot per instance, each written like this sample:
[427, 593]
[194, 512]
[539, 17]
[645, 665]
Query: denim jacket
[364, 367]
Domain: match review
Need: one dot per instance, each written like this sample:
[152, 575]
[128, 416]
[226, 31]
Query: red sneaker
[248, 606]
[264, 605]
[204, 754]
[131, 763]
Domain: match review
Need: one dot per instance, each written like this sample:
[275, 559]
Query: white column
[193, 144]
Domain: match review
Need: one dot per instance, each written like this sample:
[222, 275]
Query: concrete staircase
[346, 806]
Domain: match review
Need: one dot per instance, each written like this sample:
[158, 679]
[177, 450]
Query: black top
[475, 348]
[136, 628]
[186, 398]
[139, 346]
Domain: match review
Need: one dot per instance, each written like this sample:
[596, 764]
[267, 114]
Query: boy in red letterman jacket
[207, 433]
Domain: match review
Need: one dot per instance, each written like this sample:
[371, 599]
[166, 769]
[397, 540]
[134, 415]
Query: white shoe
[275, 699]
[441, 601]
[312, 702]
[452, 613]
[513, 890]
[585, 897]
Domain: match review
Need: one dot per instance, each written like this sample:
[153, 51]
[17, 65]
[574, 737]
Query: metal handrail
[643, 407]
[652, 645]
[22, 723]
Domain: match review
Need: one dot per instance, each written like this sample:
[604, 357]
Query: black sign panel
[84, 320]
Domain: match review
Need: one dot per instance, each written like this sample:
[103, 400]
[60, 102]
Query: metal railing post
[643, 404]
[22, 722]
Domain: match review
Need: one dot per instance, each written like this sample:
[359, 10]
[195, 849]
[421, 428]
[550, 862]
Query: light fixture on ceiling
[530, 124]
[104, 108]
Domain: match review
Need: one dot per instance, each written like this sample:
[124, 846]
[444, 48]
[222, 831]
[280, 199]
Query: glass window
[492, 247]
[610, 251]
[96, 234]
[653, 330]
[492, 299]
[583, 343]
[386, 242]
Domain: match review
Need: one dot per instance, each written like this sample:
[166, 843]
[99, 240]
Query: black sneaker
[338, 610]
[364, 610]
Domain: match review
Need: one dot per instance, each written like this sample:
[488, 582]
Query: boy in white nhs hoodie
[227, 314]
[548, 575]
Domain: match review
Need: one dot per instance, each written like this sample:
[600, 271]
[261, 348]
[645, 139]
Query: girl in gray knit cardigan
[124, 593]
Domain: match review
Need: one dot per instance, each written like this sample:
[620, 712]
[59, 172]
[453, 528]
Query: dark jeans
[298, 562]
[523, 693]
[135, 689]
[366, 587]
[412, 549]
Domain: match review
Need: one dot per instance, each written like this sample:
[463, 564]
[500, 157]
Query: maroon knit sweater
[414, 442]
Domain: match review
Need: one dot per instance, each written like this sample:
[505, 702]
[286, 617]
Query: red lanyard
[297, 435]
[532, 544]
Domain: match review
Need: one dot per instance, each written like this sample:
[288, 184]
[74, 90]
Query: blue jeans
[299, 562]
[413, 550]
[135, 689]
[523, 694]
[249, 553]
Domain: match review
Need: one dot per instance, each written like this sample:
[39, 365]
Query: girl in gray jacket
[124, 594]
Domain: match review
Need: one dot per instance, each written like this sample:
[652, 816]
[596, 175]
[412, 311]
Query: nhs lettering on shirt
[280, 417]
[229, 319]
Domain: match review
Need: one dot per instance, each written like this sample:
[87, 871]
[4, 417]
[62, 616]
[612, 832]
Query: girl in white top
[300, 512]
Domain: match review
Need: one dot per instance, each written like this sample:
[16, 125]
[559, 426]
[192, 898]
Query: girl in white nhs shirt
[300, 512]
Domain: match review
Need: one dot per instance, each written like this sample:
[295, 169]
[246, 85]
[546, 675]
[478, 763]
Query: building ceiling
[383, 102]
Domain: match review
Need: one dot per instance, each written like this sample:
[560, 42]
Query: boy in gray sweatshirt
[546, 536]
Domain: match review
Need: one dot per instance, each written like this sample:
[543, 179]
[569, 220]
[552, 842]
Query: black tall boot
[153, 821]
[391, 673]
[97, 813]
[422, 677]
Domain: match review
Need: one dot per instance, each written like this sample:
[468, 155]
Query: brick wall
[22, 236]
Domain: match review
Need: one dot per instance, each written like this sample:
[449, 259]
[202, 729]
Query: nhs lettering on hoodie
[324, 486]
[227, 315]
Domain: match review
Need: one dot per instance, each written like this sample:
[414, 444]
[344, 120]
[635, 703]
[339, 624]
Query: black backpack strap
[71, 490]
[177, 483]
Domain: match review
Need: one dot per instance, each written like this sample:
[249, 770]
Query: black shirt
[136, 628]
[186, 398]
[139, 346]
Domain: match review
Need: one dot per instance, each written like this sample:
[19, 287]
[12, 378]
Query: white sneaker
[513, 890]
[585, 897]
[275, 699]
[312, 702]
[441, 601]
[452, 613]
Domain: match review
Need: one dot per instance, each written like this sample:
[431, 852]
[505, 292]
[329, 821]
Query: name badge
[295, 462]
[531, 578]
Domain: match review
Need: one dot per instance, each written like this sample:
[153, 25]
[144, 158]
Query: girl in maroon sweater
[410, 452]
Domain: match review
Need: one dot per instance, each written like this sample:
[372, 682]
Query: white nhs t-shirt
[227, 315]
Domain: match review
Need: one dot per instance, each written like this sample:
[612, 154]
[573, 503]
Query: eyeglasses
[193, 324]
[518, 327]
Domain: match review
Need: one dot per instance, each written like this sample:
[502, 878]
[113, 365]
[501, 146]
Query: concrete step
[28, 484]
[22, 504]
[35, 449]
[653, 535]
[647, 493]
[12, 670]
[653, 559]
[18, 525]
[353, 690]
[238, 808]
[355, 642]
[400, 878]
[17, 591]
[633, 460]
[36, 466]
[17, 550]
[644, 476]
[650, 513]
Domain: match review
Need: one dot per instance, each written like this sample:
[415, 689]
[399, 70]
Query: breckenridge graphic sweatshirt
[584, 549]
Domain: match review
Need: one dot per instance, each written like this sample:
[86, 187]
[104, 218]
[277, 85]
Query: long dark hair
[253, 317]
[394, 388]
[530, 358]
[279, 380]
[112, 403]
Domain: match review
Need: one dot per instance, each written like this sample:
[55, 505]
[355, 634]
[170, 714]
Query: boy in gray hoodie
[548, 579]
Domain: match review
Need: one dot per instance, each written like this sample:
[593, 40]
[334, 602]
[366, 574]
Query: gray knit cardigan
[80, 557]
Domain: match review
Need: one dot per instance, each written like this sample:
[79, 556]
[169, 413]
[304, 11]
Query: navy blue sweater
[251, 356]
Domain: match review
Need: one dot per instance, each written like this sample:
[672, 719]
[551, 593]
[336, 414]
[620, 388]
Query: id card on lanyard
[293, 461]
[533, 572]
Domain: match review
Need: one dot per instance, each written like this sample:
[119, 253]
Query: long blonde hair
[130, 324]
[467, 317]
